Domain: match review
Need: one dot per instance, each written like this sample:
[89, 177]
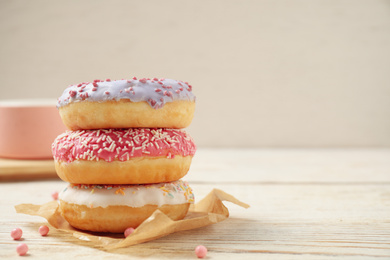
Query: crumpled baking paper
[209, 210]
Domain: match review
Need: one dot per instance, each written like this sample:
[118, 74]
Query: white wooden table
[305, 204]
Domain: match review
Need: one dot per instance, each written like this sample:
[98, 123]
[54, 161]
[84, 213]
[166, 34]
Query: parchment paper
[209, 210]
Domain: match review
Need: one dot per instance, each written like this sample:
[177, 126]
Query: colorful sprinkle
[16, 233]
[152, 102]
[129, 231]
[120, 190]
[22, 249]
[43, 230]
[201, 251]
[54, 195]
[72, 93]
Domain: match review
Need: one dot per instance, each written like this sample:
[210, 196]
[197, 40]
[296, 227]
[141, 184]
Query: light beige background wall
[266, 73]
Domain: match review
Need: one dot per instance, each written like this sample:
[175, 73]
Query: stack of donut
[125, 153]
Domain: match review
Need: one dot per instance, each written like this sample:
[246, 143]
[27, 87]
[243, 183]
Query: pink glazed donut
[159, 103]
[123, 156]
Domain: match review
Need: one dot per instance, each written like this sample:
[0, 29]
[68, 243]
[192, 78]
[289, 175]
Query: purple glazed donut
[154, 103]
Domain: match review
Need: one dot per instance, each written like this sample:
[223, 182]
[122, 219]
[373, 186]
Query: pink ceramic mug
[28, 128]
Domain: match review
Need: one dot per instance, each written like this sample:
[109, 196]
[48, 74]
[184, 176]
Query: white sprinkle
[77, 134]
[125, 154]
[112, 147]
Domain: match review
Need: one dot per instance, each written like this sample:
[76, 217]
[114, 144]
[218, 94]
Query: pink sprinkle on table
[129, 231]
[201, 251]
[54, 195]
[16, 233]
[22, 249]
[43, 230]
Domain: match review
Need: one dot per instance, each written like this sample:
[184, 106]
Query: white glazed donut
[113, 208]
[158, 103]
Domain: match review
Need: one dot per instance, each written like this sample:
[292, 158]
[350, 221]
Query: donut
[123, 156]
[163, 103]
[114, 208]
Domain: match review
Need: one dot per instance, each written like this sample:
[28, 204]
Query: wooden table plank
[291, 165]
[283, 219]
[313, 218]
